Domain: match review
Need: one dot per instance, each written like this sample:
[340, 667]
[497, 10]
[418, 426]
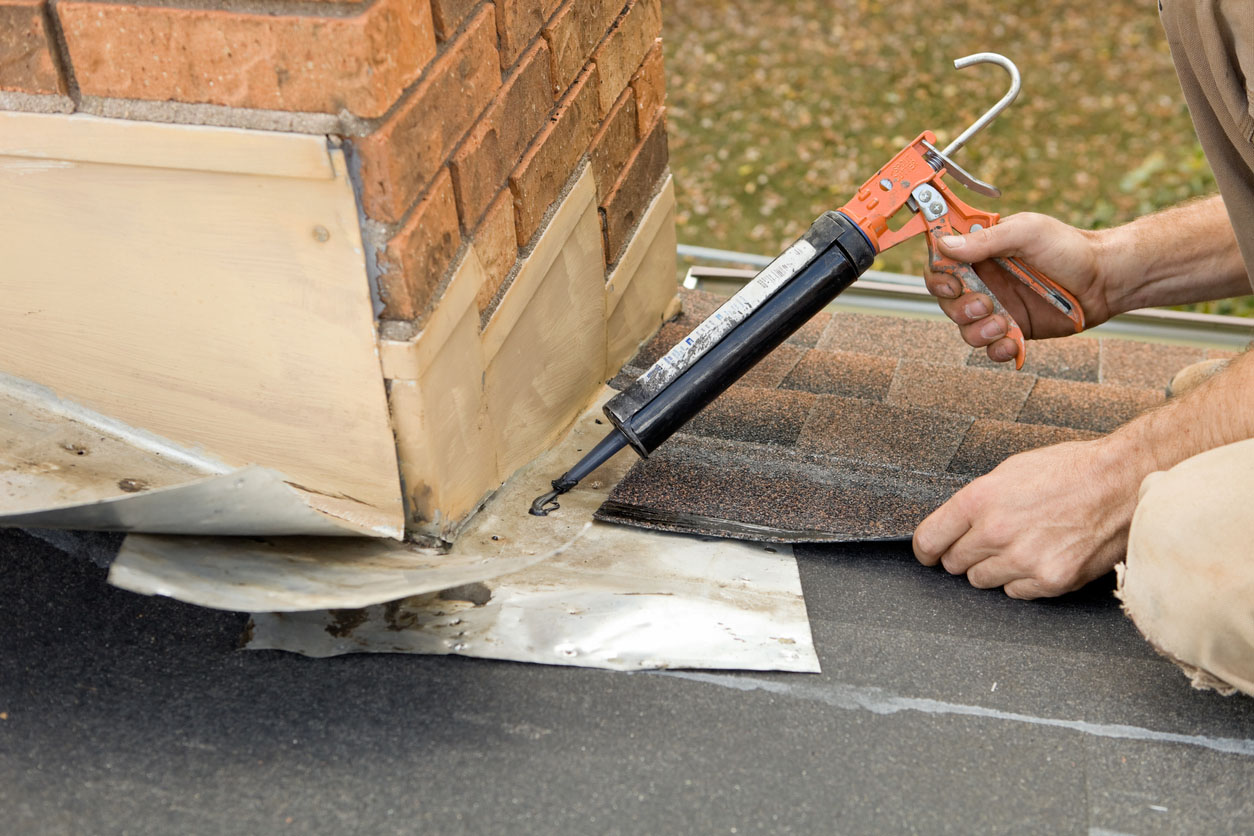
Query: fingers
[943, 527]
[1026, 589]
[941, 285]
[1008, 238]
[984, 332]
[1003, 350]
[979, 327]
[1000, 570]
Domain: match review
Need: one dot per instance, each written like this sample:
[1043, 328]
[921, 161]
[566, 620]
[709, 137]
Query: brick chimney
[488, 143]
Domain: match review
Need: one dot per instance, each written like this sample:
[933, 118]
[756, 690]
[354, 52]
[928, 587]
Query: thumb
[1005, 239]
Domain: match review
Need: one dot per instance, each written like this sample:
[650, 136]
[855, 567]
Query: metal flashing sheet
[63, 466]
[615, 598]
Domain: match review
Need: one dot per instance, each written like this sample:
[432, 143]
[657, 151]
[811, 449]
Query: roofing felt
[938, 704]
[860, 425]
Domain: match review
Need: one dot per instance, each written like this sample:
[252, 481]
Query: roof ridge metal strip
[897, 293]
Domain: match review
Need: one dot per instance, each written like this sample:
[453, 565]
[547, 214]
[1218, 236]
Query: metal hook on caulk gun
[994, 111]
[945, 157]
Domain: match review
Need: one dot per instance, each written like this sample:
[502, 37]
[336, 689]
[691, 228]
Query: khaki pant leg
[1188, 583]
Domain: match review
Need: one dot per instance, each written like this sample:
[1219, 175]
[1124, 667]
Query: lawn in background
[779, 109]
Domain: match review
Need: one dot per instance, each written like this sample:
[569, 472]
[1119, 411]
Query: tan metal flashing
[226, 311]
[91, 139]
[552, 245]
[641, 293]
[406, 359]
[443, 434]
[544, 348]
[657, 218]
[470, 408]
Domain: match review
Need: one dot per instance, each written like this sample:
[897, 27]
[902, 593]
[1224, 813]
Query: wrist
[1113, 255]
[1128, 456]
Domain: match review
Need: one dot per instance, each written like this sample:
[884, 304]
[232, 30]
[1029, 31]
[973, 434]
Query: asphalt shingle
[861, 436]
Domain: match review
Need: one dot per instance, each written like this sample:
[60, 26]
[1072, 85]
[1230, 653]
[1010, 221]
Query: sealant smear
[879, 701]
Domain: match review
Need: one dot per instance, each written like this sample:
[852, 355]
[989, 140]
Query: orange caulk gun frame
[912, 180]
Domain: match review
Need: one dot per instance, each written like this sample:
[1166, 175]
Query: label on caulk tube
[733, 312]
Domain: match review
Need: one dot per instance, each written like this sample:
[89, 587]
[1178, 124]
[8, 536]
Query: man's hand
[1180, 255]
[1067, 255]
[1043, 523]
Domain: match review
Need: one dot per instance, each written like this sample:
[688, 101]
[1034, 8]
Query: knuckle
[924, 548]
[977, 577]
[1056, 580]
[1000, 532]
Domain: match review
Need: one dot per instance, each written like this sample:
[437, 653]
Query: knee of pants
[1189, 579]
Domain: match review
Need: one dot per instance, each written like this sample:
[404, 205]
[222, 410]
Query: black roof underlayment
[861, 425]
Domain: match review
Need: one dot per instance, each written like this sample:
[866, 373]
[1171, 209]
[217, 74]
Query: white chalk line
[879, 701]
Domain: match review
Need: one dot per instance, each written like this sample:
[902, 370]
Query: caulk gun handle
[972, 283]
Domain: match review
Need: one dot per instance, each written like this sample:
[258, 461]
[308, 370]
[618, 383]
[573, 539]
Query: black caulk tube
[767, 311]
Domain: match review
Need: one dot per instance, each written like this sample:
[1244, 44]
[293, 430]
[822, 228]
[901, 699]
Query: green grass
[779, 109]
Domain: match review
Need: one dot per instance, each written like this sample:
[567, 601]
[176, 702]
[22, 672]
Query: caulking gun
[837, 249]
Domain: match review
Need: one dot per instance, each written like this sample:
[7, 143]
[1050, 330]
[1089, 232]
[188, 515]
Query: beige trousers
[1188, 583]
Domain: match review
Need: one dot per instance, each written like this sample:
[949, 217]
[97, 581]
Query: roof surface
[862, 424]
[941, 708]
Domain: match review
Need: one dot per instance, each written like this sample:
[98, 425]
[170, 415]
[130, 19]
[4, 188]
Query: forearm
[1185, 254]
[1219, 411]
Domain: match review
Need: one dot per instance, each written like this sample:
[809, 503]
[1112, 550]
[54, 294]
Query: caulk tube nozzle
[593, 459]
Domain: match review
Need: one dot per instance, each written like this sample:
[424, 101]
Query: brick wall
[466, 119]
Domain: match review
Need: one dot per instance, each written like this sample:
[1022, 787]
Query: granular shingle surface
[990, 442]
[891, 336]
[1148, 365]
[876, 433]
[960, 389]
[1086, 406]
[1066, 358]
[843, 373]
[866, 433]
[787, 496]
[774, 367]
[742, 413]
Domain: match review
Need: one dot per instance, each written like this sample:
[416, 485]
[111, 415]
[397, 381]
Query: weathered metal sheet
[297, 573]
[63, 466]
[668, 602]
[616, 598]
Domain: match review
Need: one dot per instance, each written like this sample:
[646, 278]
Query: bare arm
[1184, 254]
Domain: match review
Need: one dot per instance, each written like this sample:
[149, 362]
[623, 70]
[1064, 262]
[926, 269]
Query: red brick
[483, 162]
[449, 14]
[540, 177]
[497, 246]
[518, 22]
[574, 33]
[649, 85]
[419, 255]
[624, 207]
[360, 63]
[28, 60]
[620, 56]
[614, 143]
[401, 157]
